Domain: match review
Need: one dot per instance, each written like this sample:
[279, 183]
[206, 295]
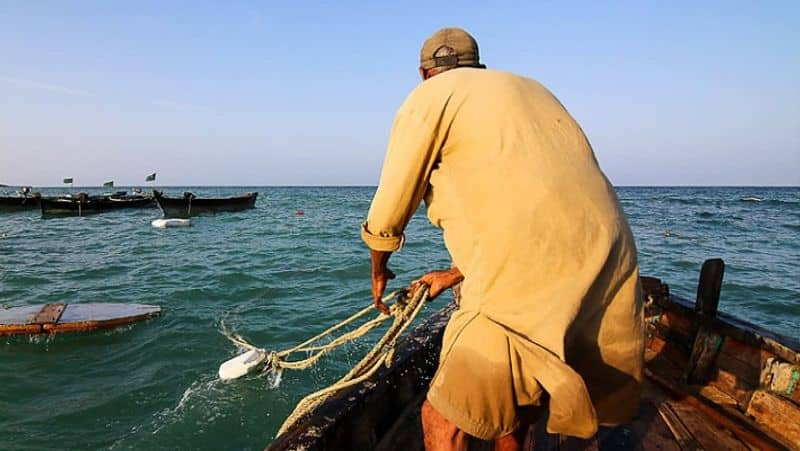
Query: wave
[765, 201]
[719, 202]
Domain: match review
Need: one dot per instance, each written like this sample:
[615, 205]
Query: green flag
[150, 178]
[69, 180]
[108, 184]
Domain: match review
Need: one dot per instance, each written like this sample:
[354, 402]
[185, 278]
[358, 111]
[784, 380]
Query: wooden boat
[25, 199]
[711, 382]
[191, 205]
[14, 203]
[83, 204]
[60, 318]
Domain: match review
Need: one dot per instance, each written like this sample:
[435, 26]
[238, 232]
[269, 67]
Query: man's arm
[439, 281]
[412, 152]
[380, 276]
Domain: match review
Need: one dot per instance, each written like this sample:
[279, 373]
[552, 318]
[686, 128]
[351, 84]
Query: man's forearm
[380, 276]
[379, 261]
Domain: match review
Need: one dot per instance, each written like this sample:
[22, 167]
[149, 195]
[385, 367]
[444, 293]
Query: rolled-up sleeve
[381, 243]
[412, 152]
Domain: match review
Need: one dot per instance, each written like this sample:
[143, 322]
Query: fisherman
[551, 314]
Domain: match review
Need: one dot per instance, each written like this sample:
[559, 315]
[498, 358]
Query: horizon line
[364, 186]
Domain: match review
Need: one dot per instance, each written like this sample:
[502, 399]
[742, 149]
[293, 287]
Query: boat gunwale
[323, 425]
[782, 346]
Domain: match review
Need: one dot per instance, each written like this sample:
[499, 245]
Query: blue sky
[229, 93]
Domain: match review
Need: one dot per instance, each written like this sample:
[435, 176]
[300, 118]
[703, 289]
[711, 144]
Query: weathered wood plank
[782, 379]
[20, 329]
[105, 312]
[720, 398]
[749, 372]
[734, 386]
[743, 430]
[739, 350]
[18, 315]
[708, 434]
[780, 416]
[679, 430]
[50, 313]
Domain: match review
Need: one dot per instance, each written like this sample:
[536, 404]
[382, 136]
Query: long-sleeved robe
[550, 299]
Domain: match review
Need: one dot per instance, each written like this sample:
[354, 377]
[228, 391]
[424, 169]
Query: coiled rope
[403, 311]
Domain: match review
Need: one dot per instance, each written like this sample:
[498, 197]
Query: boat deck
[663, 423]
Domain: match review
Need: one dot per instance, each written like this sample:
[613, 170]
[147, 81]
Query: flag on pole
[68, 180]
[150, 178]
[108, 184]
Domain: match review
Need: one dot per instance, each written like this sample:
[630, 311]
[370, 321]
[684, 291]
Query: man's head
[448, 48]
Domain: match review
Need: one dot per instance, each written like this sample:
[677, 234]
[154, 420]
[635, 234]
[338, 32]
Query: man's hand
[380, 276]
[439, 281]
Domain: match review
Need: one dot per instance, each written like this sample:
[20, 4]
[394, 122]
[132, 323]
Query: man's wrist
[455, 275]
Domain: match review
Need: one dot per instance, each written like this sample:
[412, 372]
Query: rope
[404, 311]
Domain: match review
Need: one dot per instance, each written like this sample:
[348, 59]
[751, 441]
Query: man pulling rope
[551, 309]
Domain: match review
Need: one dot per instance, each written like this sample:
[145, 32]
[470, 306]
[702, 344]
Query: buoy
[241, 364]
[172, 222]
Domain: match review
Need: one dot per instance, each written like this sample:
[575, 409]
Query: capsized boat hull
[61, 318]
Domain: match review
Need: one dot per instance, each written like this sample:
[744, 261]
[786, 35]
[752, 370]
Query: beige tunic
[551, 296]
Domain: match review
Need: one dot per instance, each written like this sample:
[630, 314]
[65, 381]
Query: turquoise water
[276, 277]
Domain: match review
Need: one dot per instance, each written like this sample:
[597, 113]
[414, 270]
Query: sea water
[276, 278]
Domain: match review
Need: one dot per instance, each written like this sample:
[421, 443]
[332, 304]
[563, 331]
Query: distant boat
[12, 203]
[191, 205]
[23, 199]
[83, 204]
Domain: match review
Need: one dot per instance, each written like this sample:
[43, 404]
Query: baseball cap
[449, 47]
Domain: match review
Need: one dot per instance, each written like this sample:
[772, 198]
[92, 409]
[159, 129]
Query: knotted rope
[403, 311]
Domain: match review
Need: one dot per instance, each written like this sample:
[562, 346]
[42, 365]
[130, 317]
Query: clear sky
[270, 93]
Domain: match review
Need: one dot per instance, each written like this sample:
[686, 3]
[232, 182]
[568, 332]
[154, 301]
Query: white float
[241, 364]
[172, 222]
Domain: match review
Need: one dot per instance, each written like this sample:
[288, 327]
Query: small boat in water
[23, 200]
[191, 205]
[61, 318]
[83, 204]
[711, 382]
[13, 203]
